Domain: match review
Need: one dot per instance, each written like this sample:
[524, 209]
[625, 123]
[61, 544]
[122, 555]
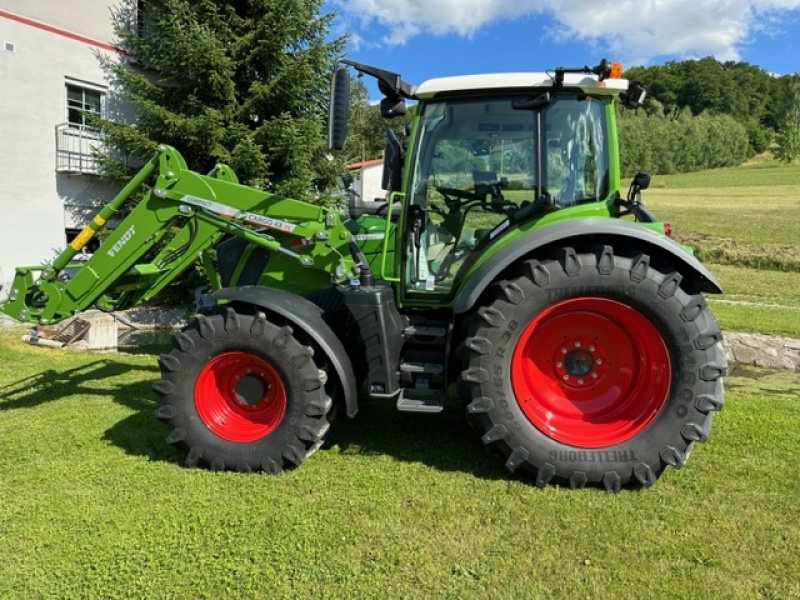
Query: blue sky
[428, 38]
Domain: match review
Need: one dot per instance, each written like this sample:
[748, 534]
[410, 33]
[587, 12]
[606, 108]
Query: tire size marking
[687, 378]
[497, 377]
[502, 404]
[590, 290]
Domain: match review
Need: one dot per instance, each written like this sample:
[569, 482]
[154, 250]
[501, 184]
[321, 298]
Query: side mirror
[339, 109]
[392, 180]
[641, 181]
[393, 106]
[345, 180]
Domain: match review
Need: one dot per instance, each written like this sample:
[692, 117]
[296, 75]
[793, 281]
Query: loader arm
[179, 218]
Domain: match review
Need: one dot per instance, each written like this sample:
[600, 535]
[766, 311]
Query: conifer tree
[244, 82]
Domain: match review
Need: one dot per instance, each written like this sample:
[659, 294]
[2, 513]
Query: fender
[602, 230]
[308, 317]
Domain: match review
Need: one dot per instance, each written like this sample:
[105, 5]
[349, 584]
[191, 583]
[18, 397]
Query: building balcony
[75, 148]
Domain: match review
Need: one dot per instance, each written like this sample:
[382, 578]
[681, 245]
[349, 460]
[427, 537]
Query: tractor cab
[483, 164]
[488, 156]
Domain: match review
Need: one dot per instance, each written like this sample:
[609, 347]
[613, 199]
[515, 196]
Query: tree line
[698, 111]
[678, 142]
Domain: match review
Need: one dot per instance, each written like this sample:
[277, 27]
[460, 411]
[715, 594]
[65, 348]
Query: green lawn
[94, 504]
[756, 215]
[757, 300]
[755, 208]
[744, 223]
[762, 171]
[749, 226]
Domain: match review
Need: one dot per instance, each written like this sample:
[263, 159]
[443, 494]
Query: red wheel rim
[239, 396]
[590, 372]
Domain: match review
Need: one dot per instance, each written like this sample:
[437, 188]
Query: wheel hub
[578, 362]
[250, 389]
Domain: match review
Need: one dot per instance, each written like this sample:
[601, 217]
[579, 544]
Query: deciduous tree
[788, 140]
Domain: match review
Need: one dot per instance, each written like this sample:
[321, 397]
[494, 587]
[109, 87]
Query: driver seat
[357, 207]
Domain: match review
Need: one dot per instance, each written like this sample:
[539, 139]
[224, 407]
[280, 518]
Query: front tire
[239, 392]
[592, 368]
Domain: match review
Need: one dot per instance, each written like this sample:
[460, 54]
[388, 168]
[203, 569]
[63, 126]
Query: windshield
[477, 161]
[468, 142]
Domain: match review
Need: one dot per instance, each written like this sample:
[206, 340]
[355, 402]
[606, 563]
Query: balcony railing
[75, 149]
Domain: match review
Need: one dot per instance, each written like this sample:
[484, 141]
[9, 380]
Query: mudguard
[307, 316]
[600, 230]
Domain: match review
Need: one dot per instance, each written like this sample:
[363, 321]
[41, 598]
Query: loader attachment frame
[179, 218]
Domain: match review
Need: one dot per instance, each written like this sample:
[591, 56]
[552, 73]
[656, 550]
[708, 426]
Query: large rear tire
[242, 393]
[592, 368]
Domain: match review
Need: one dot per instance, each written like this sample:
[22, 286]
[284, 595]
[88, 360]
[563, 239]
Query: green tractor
[504, 260]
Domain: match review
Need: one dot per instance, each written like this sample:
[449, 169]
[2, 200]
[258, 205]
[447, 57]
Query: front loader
[504, 260]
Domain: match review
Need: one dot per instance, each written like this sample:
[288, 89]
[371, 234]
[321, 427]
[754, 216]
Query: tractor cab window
[478, 161]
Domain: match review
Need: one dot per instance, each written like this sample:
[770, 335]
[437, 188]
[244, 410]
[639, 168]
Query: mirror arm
[391, 81]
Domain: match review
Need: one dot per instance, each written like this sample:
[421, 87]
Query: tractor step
[426, 405]
[423, 364]
[422, 367]
[425, 331]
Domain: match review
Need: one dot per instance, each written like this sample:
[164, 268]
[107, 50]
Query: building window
[82, 102]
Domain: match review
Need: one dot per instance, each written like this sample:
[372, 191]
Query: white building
[367, 179]
[50, 80]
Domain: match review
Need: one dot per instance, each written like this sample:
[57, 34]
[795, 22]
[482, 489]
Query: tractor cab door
[478, 160]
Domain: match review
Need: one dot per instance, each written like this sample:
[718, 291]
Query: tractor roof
[516, 82]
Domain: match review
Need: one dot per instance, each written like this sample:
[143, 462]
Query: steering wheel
[490, 204]
[450, 193]
[457, 193]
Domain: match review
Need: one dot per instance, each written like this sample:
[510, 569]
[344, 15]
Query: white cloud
[410, 17]
[635, 30]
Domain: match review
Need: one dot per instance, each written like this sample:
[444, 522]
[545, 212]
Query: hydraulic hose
[365, 274]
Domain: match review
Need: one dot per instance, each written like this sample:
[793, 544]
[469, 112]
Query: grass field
[762, 171]
[757, 300]
[744, 223]
[94, 504]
